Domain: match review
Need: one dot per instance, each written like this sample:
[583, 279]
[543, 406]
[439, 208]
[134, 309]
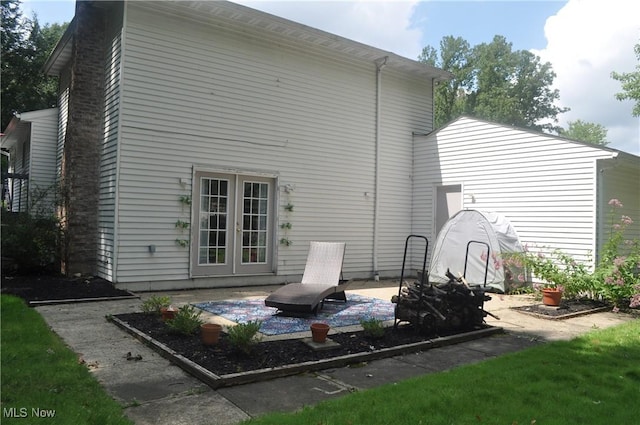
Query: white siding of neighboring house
[42, 163]
[196, 96]
[546, 186]
[32, 145]
[20, 165]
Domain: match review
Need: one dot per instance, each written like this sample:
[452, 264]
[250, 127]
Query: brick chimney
[80, 173]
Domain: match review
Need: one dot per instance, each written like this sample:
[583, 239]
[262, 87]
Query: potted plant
[319, 332]
[168, 313]
[210, 333]
[545, 267]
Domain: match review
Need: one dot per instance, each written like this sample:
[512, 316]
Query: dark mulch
[223, 359]
[37, 288]
[566, 309]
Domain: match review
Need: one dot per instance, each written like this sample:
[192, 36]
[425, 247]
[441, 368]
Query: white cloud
[382, 24]
[586, 41]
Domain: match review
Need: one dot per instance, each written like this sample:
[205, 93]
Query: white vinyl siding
[63, 118]
[546, 186]
[197, 96]
[108, 160]
[42, 167]
[33, 154]
[619, 179]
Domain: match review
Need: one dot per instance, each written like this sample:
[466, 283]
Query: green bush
[243, 336]
[373, 328]
[187, 320]
[31, 241]
[615, 278]
[154, 304]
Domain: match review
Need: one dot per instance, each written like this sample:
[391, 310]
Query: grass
[593, 379]
[42, 380]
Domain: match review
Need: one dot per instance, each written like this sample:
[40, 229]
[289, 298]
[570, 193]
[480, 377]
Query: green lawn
[42, 381]
[594, 379]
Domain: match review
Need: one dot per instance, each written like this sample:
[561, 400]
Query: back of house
[206, 143]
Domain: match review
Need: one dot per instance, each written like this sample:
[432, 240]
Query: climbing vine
[181, 225]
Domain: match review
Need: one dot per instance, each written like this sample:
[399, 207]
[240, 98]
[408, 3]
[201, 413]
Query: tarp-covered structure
[482, 240]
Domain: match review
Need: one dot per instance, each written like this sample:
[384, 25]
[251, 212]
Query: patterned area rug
[335, 313]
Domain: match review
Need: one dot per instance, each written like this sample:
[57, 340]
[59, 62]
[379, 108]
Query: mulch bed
[223, 358]
[41, 289]
[566, 309]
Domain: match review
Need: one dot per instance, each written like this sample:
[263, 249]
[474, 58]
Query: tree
[585, 132]
[25, 48]
[454, 57]
[630, 84]
[493, 82]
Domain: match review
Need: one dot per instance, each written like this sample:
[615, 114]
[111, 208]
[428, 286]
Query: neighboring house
[30, 140]
[206, 143]
[554, 191]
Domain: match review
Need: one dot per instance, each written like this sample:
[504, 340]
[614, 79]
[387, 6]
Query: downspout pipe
[380, 63]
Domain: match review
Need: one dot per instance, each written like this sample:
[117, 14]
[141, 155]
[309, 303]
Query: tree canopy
[25, 48]
[630, 84]
[494, 82]
[585, 132]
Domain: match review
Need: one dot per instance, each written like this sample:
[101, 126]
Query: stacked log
[451, 306]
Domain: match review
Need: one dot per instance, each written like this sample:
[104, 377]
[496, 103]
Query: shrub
[187, 321]
[33, 238]
[373, 328]
[615, 279]
[154, 304]
[32, 242]
[243, 336]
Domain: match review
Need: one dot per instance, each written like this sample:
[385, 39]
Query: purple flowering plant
[617, 275]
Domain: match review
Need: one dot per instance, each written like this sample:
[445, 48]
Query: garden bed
[56, 289]
[566, 309]
[223, 365]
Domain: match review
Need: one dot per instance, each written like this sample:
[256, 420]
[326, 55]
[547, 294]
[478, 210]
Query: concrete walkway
[157, 392]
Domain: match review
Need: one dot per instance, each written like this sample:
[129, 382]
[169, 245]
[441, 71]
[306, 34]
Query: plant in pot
[210, 333]
[555, 270]
[319, 332]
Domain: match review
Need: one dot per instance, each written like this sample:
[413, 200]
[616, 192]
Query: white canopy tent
[477, 240]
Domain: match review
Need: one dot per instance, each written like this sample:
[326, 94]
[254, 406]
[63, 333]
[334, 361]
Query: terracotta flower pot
[168, 313]
[210, 333]
[319, 332]
[551, 296]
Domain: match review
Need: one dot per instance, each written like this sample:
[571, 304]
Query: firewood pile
[451, 306]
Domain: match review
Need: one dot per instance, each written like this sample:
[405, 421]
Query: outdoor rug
[334, 313]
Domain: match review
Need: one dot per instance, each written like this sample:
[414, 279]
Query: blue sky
[585, 40]
[522, 22]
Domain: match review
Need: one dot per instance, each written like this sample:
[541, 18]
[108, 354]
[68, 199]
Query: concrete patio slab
[156, 392]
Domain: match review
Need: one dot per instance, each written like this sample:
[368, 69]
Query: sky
[584, 40]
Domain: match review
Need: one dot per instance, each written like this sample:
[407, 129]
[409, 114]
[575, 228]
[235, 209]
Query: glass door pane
[214, 214]
[255, 216]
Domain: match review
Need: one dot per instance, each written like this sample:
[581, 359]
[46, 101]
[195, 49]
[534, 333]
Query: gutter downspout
[380, 63]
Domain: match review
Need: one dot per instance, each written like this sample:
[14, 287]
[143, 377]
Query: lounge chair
[321, 280]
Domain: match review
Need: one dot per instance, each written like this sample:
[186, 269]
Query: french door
[235, 224]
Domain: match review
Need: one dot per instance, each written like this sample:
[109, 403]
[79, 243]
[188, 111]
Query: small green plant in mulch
[155, 303]
[187, 320]
[244, 336]
[373, 328]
